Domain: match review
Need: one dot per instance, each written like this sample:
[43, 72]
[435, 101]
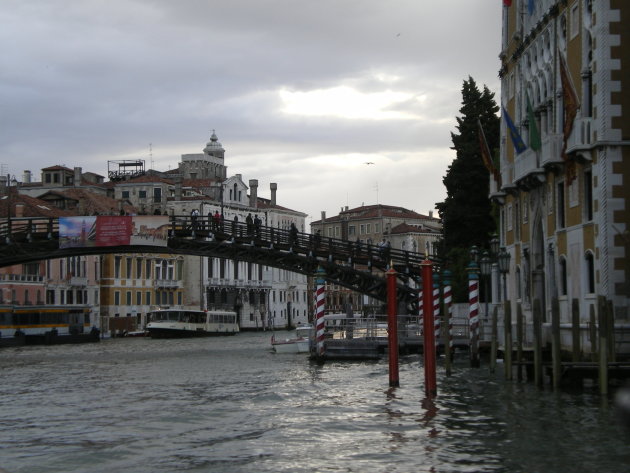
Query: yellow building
[134, 284]
[565, 197]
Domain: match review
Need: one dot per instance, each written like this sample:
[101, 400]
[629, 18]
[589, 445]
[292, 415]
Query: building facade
[373, 224]
[565, 197]
[123, 288]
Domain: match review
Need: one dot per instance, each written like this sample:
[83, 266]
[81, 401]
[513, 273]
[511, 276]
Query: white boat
[299, 343]
[177, 323]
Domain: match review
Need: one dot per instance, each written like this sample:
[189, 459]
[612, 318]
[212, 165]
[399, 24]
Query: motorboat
[298, 343]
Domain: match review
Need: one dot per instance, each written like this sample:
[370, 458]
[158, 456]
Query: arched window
[562, 282]
[590, 272]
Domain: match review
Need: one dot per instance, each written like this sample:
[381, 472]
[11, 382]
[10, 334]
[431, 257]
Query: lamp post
[494, 246]
[474, 254]
[504, 268]
[486, 269]
[11, 181]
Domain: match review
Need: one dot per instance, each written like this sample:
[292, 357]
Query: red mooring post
[430, 384]
[392, 328]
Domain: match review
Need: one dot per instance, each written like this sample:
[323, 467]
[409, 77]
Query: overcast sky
[300, 93]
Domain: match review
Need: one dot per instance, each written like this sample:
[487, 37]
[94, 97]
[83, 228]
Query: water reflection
[228, 405]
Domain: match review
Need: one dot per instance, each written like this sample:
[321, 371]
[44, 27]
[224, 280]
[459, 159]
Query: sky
[339, 102]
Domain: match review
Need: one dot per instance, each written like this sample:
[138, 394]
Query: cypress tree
[467, 214]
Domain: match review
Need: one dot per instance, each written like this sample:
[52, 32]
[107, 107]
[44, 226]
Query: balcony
[583, 135]
[21, 278]
[78, 282]
[166, 283]
[551, 150]
[226, 282]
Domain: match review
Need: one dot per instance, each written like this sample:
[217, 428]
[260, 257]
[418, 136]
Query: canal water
[230, 405]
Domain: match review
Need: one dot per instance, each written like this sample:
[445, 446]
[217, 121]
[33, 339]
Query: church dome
[213, 147]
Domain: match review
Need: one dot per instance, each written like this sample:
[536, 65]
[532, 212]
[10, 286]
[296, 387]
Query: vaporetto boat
[179, 323]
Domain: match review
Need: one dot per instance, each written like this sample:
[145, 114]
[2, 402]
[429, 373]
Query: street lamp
[11, 181]
[504, 268]
[474, 254]
[494, 246]
[486, 269]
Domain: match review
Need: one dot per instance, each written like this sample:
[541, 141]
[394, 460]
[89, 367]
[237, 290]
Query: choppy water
[230, 405]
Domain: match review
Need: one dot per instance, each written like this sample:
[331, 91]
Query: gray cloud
[84, 82]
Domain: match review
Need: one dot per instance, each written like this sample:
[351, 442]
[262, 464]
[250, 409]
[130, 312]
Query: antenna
[376, 189]
[151, 154]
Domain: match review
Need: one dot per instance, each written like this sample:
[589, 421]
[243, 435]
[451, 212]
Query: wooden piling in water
[593, 332]
[610, 326]
[494, 342]
[519, 341]
[575, 329]
[555, 345]
[537, 343]
[603, 346]
[507, 356]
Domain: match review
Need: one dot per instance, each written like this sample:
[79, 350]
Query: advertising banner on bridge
[105, 230]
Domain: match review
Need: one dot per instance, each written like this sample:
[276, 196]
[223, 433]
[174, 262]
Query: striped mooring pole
[430, 384]
[473, 312]
[436, 307]
[320, 305]
[448, 316]
[420, 309]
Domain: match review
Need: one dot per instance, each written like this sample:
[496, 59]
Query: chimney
[19, 210]
[274, 187]
[178, 188]
[77, 176]
[253, 193]
[323, 216]
[27, 177]
[430, 213]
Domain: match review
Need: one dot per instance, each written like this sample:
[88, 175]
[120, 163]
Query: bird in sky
[368, 163]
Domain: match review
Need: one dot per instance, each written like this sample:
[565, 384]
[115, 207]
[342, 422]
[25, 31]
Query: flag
[517, 141]
[531, 6]
[534, 133]
[570, 105]
[486, 156]
[507, 3]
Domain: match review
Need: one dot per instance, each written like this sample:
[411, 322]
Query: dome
[213, 146]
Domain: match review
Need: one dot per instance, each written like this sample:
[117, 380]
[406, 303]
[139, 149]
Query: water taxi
[299, 343]
[178, 323]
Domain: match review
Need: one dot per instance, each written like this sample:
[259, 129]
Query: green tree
[468, 217]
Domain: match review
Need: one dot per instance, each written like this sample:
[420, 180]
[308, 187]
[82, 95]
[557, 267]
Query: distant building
[123, 289]
[371, 224]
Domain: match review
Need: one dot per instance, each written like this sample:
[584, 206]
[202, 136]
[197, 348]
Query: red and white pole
[448, 315]
[392, 327]
[473, 312]
[420, 311]
[448, 308]
[430, 384]
[436, 308]
[320, 305]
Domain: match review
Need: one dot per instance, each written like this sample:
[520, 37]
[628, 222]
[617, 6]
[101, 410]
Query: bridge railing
[361, 252]
[26, 229]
